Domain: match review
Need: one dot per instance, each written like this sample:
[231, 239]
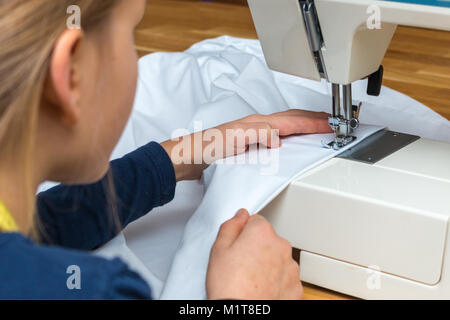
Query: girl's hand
[250, 261]
[191, 158]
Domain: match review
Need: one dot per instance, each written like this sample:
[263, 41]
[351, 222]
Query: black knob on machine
[374, 82]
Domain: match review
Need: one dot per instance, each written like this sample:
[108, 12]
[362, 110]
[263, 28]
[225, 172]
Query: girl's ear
[62, 90]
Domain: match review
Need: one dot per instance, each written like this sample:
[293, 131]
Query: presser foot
[342, 129]
[339, 142]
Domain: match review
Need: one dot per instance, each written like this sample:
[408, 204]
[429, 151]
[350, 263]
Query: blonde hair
[29, 30]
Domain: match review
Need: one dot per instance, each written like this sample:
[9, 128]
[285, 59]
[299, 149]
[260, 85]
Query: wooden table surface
[417, 62]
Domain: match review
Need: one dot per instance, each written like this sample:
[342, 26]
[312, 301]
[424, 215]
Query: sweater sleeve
[87, 216]
[30, 271]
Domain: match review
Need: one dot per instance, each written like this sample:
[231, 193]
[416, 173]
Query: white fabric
[117, 248]
[231, 187]
[216, 81]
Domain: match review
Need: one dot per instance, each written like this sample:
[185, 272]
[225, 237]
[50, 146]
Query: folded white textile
[216, 81]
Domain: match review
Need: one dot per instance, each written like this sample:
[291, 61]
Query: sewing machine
[372, 222]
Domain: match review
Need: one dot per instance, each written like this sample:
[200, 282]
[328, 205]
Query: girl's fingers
[267, 129]
[289, 125]
[265, 135]
[231, 229]
[294, 122]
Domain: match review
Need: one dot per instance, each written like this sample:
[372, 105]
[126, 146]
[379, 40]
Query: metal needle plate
[378, 146]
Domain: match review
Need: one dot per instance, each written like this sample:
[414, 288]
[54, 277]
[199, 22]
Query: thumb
[231, 229]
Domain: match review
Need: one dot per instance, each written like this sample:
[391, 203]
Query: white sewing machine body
[373, 230]
[370, 228]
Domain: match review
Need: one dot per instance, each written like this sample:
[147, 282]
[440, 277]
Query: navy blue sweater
[76, 219]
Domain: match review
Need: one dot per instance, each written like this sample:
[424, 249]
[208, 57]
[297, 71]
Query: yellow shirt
[7, 223]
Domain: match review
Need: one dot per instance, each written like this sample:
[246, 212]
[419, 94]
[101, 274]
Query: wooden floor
[417, 62]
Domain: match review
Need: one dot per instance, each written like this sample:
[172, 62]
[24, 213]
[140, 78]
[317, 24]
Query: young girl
[65, 97]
